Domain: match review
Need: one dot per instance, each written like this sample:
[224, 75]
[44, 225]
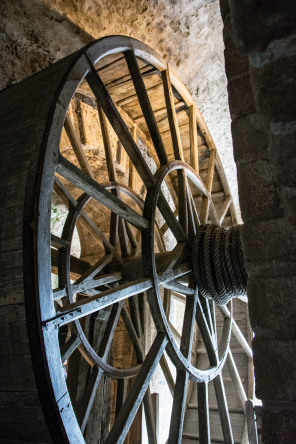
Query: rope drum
[218, 263]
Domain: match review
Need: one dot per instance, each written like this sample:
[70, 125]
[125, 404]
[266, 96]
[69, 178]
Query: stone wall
[260, 58]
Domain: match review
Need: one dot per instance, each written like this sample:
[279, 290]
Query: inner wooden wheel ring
[193, 309]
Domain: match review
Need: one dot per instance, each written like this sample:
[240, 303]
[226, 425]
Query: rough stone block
[283, 155]
[274, 86]
[275, 371]
[257, 22]
[250, 138]
[240, 95]
[224, 8]
[236, 62]
[268, 240]
[289, 203]
[269, 298]
[279, 423]
[257, 190]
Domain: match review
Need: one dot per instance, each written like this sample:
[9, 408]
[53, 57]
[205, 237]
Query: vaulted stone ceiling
[188, 34]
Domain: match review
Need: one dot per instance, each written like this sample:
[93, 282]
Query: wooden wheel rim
[154, 299]
[49, 161]
[67, 235]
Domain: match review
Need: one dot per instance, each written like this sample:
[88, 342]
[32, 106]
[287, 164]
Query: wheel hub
[217, 260]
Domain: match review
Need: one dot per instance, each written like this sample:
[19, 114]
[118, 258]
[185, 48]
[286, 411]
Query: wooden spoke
[179, 402]
[109, 246]
[177, 146]
[224, 209]
[191, 217]
[132, 334]
[110, 330]
[206, 334]
[173, 257]
[117, 226]
[223, 409]
[131, 175]
[131, 148]
[62, 191]
[77, 147]
[193, 211]
[135, 314]
[118, 125]
[86, 403]
[204, 212]
[57, 242]
[175, 332]
[213, 317]
[168, 277]
[131, 238]
[208, 314]
[167, 302]
[64, 194]
[77, 266]
[133, 281]
[203, 413]
[145, 71]
[237, 332]
[89, 284]
[251, 423]
[123, 239]
[175, 286]
[188, 325]
[146, 106]
[134, 399]
[98, 192]
[236, 380]
[193, 139]
[182, 199]
[106, 298]
[172, 117]
[171, 220]
[95, 269]
[107, 146]
[167, 374]
[178, 412]
[150, 417]
[70, 347]
[92, 304]
[121, 394]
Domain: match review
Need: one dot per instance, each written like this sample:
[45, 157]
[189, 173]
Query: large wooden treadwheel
[136, 219]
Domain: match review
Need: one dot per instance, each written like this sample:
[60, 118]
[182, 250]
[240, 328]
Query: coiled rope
[218, 263]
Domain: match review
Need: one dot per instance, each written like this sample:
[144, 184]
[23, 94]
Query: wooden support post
[193, 139]
[224, 209]
[172, 117]
[132, 170]
[155, 403]
[204, 213]
[251, 422]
